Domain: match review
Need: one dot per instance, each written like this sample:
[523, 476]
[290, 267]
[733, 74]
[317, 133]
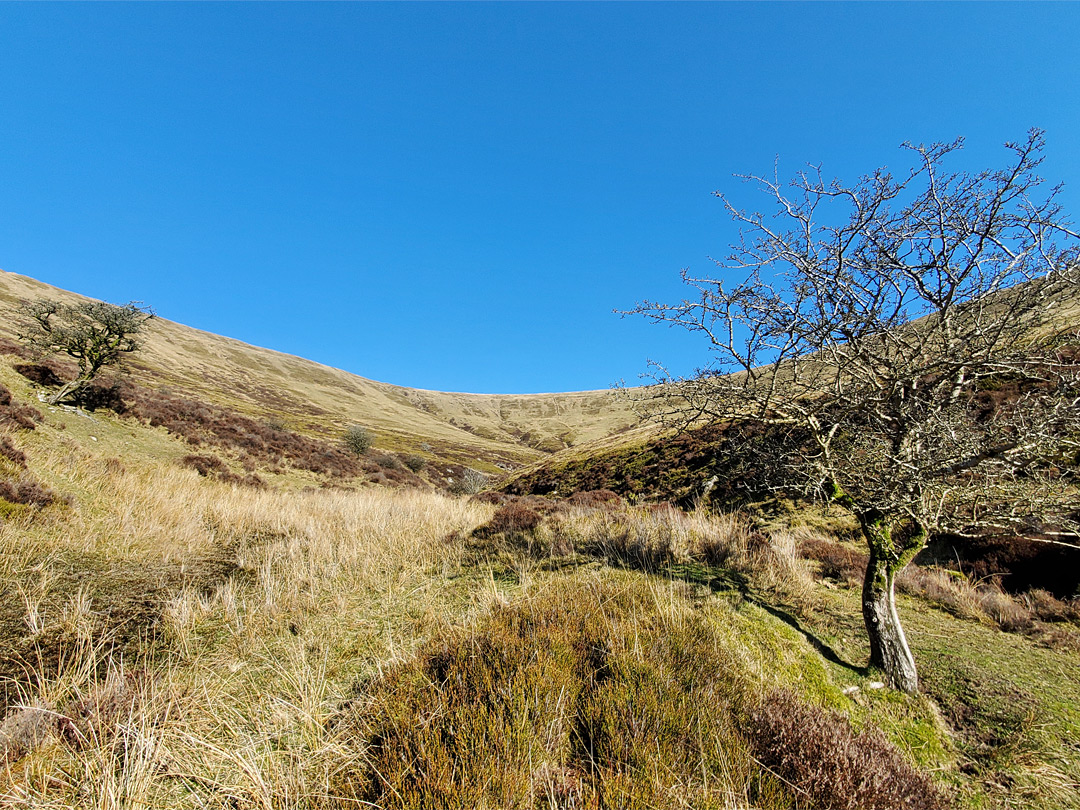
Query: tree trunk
[889, 649]
[67, 390]
[888, 646]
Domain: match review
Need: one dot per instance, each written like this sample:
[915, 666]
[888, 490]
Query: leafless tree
[93, 333]
[911, 335]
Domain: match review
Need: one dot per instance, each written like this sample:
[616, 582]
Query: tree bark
[67, 390]
[889, 649]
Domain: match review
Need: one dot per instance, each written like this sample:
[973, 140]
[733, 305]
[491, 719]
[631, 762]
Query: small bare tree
[93, 333]
[906, 334]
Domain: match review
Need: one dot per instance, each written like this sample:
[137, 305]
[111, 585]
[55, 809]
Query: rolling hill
[489, 431]
[205, 603]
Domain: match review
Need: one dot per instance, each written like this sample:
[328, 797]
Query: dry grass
[501, 430]
[669, 541]
[235, 620]
[184, 642]
[608, 691]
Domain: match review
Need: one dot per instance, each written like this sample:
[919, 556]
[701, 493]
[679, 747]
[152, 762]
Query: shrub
[596, 497]
[200, 423]
[388, 461]
[511, 518]
[45, 374]
[470, 482]
[414, 462]
[493, 497]
[358, 439]
[11, 452]
[26, 492]
[15, 413]
[212, 466]
[8, 346]
[204, 465]
[96, 396]
[839, 561]
[818, 753]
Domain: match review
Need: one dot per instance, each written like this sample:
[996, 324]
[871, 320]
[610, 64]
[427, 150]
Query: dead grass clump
[947, 589]
[660, 540]
[1048, 608]
[11, 452]
[637, 539]
[92, 719]
[817, 753]
[984, 601]
[776, 568]
[24, 729]
[1009, 614]
[27, 492]
[16, 414]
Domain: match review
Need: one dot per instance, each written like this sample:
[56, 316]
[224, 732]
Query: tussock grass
[722, 548]
[174, 640]
[245, 614]
[609, 691]
[179, 641]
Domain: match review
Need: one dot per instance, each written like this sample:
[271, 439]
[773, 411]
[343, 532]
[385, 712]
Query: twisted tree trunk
[69, 389]
[889, 649]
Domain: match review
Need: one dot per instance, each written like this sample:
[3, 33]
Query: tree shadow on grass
[721, 580]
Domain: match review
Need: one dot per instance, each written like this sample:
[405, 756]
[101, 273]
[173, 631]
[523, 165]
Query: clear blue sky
[456, 196]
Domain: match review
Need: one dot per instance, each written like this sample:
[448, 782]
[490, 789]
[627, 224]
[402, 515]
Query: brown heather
[606, 694]
[15, 414]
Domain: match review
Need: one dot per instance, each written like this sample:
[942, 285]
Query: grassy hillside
[176, 639]
[504, 430]
[172, 640]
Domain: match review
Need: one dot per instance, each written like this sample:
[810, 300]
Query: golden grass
[254, 611]
[472, 429]
[186, 643]
[173, 641]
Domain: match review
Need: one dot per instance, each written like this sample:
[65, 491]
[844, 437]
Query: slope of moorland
[494, 430]
[179, 634]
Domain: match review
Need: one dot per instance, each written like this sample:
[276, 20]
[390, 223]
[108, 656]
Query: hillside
[177, 635]
[494, 430]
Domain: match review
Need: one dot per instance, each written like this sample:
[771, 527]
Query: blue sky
[456, 196]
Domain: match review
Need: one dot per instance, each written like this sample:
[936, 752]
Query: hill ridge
[493, 429]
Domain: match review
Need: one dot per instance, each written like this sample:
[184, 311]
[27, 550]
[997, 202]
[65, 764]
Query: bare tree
[906, 334]
[93, 333]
